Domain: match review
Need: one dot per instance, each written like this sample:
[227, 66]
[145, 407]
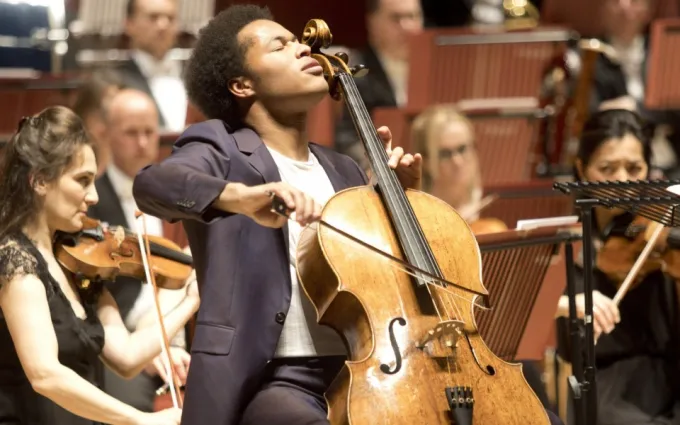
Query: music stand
[649, 199]
[515, 264]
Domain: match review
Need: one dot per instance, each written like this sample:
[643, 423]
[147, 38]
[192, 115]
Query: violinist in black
[52, 332]
[637, 341]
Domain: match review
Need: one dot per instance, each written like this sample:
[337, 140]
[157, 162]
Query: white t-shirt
[302, 336]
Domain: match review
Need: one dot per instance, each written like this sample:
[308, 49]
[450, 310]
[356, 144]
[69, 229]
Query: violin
[623, 252]
[97, 254]
[397, 273]
[104, 254]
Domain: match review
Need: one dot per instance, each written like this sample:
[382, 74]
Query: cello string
[389, 179]
[409, 269]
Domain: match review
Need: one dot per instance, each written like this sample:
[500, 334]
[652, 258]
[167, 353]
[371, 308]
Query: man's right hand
[256, 203]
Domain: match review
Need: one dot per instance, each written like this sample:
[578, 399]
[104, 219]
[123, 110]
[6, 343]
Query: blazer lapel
[143, 84]
[249, 143]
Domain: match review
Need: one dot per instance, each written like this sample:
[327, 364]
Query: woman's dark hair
[43, 148]
[613, 124]
[217, 58]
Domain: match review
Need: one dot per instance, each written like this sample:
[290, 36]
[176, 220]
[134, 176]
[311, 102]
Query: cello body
[383, 317]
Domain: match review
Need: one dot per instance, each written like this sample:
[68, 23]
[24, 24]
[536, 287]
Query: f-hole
[395, 347]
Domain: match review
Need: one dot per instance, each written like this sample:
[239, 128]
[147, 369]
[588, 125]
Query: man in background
[90, 105]
[390, 24]
[152, 28]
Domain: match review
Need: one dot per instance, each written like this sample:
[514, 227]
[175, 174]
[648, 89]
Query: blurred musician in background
[389, 24]
[445, 138]
[637, 350]
[621, 79]
[132, 134]
[90, 105]
[151, 26]
[53, 329]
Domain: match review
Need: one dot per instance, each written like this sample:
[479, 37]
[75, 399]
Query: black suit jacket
[610, 83]
[133, 78]
[376, 91]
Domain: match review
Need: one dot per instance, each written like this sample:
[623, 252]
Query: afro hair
[218, 58]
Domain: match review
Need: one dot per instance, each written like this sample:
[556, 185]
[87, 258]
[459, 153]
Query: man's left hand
[409, 168]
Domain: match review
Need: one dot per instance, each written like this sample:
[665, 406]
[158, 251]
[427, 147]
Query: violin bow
[143, 239]
[632, 274]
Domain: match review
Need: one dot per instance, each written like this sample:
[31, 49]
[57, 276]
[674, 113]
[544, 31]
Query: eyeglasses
[447, 154]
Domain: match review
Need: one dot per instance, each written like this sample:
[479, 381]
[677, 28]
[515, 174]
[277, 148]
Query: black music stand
[649, 199]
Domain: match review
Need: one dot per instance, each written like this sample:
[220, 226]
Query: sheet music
[546, 222]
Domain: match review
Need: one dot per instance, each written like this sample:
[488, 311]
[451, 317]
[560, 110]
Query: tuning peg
[359, 71]
[343, 56]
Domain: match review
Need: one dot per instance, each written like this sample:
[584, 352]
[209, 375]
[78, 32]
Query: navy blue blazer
[243, 268]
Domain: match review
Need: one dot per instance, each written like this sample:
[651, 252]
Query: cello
[397, 273]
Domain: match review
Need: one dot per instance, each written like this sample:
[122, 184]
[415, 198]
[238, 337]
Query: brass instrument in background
[579, 108]
[566, 91]
[520, 14]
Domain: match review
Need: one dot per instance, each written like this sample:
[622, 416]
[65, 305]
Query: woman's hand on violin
[181, 361]
[172, 416]
[256, 203]
[409, 168]
[605, 312]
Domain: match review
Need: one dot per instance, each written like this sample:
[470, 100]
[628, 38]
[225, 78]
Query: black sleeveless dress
[80, 341]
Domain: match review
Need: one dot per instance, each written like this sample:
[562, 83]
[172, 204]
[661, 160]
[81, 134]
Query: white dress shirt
[631, 58]
[488, 12]
[397, 75]
[165, 80]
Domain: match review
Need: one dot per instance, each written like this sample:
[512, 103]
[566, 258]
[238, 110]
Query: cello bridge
[443, 337]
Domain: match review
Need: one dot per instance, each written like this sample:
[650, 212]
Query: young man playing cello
[258, 356]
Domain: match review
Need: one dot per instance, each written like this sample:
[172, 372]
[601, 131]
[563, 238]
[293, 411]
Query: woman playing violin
[52, 330]
[636, 351]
